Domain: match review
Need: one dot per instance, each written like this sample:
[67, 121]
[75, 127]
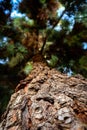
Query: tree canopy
[55, 29]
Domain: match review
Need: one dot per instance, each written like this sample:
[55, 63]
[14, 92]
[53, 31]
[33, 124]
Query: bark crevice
[47, 100]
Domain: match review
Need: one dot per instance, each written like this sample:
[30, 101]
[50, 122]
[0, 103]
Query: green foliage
[39, 11]
[53, 61]
[42, 1]
[16, 60]
[67, 42]
[28, 68]
[83, 62]
[23, 23]
[42, 16]
[10, 49]
[22, 49]
[16, 54]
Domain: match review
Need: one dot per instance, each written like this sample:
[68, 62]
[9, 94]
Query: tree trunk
[47, 100]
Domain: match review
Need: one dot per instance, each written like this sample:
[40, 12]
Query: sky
[15, 12]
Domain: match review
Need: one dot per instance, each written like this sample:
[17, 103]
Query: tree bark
[47, 100]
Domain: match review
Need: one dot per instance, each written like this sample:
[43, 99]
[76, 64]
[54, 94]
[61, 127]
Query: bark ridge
[47, 100]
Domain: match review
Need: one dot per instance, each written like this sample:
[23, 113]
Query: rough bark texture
[47, 100]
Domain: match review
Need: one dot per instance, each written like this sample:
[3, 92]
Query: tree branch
[57, 21]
